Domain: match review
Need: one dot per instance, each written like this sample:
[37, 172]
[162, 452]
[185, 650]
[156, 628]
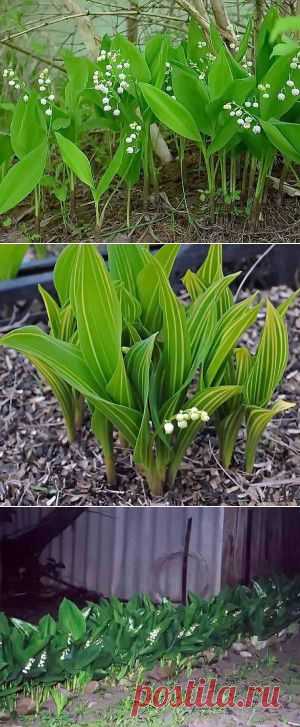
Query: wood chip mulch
[39, 467]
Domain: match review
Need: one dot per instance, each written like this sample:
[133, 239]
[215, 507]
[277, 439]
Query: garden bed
[40, 467]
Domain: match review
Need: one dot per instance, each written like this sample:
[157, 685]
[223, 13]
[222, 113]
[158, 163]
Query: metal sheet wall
[123, 551]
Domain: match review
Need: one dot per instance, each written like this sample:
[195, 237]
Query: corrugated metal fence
[123, 551]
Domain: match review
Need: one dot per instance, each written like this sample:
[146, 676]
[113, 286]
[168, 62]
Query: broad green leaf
[76, 160]
[126, 262]
[148, 286]
[270, 359]
[285, 25]
[11, 257]
[71, 620]
[98, 313]
[193, 95]
[62, 392]
[138, 362]
[257, 419]
[229, 329]
[130, 52]
[171, 113]
[22, 178]
[176, 345]
[28, 127]
[228, 430]
[201, 308]
[6, 150]
[284, 137]
[156, 54]
[219, 76]
[62, 274]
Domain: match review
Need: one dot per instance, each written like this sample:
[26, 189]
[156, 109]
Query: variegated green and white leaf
[257, 418]
[270, 359]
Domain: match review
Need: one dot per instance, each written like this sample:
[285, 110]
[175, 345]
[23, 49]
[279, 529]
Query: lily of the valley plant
[153, 369]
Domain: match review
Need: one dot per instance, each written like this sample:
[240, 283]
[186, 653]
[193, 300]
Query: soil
[175, 214]
[39, 467]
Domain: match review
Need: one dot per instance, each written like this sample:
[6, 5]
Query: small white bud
[255, 105]
[168, 427]
[281, 96]
[107, 107]
[25, 98]
[43, 101]
[204, 416]
[51, 97]
[241, 122]
[256, 129]
[290, 83]
[266, 95]
[182, 425]
[48, 112]
[130, 150]
[293, 65]
[248, 104]
[295, 92]
[116, 112]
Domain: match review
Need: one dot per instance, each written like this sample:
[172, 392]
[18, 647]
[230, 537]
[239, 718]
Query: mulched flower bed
[39, 467]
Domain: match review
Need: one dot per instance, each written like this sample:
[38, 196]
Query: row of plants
[120, 637]
[150, 367]
[239, 106]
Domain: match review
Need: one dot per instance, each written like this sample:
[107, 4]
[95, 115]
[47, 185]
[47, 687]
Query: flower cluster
[12, 79]
[112, 79]
[42, 660]
[44, 84]
[168, 80]
[187, 632]
[184, 417]
[243, 117]
[153, 635]
[248, 65]
[27, 668]
[68, 650]
[289, 88]
[133, 138]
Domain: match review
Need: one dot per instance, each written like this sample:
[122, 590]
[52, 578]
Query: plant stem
[155, 479]
[37, 209]
[245, 177]
[223, 173]
[72, 197]
[128, 207]
[97, 214]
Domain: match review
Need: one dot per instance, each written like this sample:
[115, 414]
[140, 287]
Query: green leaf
[110, 172]
[257, 419]
[71, 620]
[171, 113]
[228, 430]
[126, 262]
[193, 95]
[244, 44]
[53, 311]
[270, 359]
[130, 52]
[138, 362]
[76, 160]
[176, 345]
[156, 53]
[28, 127]
[220, 75]
[11, 257]
[98, 314]
[22, 178]
[285, 25]
[284, 137]
[229, 329]
[148, 286]
[62, 274]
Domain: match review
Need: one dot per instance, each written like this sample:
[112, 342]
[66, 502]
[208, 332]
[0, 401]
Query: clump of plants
[151, 368]
[238, 105]
[114, 637]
